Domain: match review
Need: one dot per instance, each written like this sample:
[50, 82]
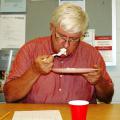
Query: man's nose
[67, 43]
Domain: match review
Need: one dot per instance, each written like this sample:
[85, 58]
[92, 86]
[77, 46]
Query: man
[32, 79]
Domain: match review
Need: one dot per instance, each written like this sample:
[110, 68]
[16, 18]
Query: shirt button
[62, 62]
[60, 89]
[61, 76]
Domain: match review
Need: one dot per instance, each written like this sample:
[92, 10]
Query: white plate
[73, 70]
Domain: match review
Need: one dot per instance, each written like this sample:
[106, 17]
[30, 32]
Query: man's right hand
[43, 64]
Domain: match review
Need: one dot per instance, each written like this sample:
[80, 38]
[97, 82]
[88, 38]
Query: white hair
[70, 17]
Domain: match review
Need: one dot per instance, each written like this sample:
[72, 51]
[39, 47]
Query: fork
[61, 52]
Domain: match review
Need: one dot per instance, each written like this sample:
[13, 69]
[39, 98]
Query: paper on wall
[12, 30]
[80, 3]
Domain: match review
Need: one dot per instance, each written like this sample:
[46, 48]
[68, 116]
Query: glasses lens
[65, 39]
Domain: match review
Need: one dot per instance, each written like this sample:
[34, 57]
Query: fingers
[97, 67]
[93, 76]
[44, 64]
[46, 58]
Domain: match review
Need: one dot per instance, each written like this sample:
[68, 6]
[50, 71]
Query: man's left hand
[94, 76]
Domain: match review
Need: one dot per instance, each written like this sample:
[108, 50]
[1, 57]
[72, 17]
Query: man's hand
[104, 87]
[43, 64]
[94, 76]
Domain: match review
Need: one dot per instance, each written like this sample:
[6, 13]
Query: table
[95, 111]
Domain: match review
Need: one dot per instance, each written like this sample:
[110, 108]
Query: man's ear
[52, 28]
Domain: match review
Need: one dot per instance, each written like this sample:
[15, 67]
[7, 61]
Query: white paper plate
[73, 70]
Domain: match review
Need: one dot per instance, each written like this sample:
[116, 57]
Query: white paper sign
[81, 3]
[90, 36]
[12, 30]
[12, 5]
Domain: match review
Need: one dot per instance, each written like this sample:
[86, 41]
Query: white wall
[115, 71]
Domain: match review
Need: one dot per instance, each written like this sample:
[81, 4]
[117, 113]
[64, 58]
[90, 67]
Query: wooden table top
[95, 111]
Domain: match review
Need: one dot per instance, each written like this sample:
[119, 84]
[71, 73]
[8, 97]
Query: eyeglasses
[65, 39]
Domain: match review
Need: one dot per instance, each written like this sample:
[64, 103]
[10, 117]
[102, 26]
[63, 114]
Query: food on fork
[61, 52]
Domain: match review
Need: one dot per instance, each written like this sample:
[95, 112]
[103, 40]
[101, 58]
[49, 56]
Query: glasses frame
[59, 37]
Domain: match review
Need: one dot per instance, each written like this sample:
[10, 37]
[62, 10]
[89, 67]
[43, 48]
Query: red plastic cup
[79, 109]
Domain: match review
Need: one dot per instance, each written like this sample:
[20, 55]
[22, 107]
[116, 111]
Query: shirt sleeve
[100, 62]
[21, 63]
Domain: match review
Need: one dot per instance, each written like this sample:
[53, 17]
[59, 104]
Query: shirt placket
[60, 78]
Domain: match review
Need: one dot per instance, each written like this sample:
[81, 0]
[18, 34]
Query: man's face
[62, 39]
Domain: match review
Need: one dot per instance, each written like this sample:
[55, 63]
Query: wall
[100, 14]
[38, 17]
